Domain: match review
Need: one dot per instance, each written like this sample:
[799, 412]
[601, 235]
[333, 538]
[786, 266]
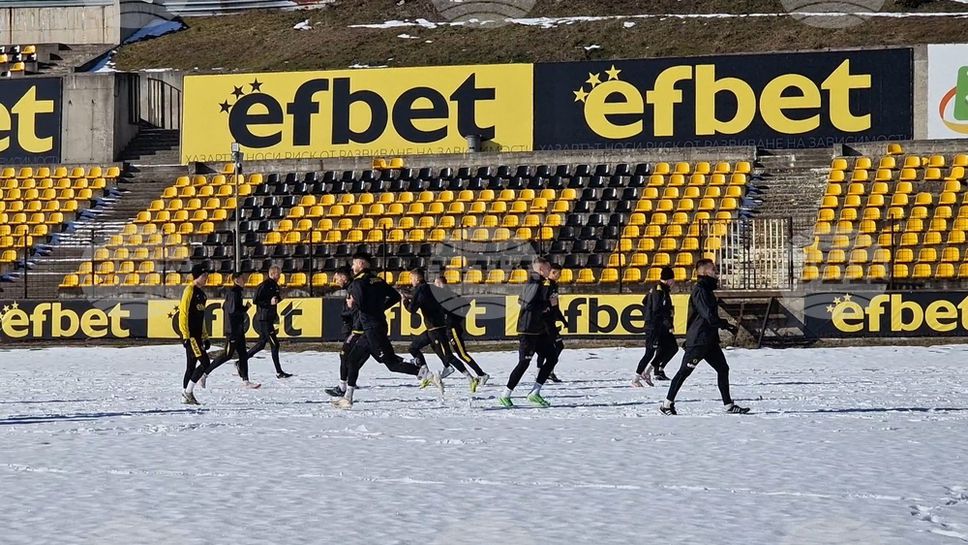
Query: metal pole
[237, 158]
[790, 252]
[93, 263]
[312, 263]
[26, 270]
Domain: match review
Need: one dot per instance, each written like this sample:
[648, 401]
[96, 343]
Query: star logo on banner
[580, 95]
[613, 73]
[237, 91]
[594, 80]
[256, 85]
[224, 106]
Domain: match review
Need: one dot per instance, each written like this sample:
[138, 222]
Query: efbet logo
[895, 313]
[256, 118]
[346, 113]
[62, 320]
[790, 103]
[953, 108]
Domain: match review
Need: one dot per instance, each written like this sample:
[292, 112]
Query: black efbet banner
[788, 100]
[887, 314]
[30, 120]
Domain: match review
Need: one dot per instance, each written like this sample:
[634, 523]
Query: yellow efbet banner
[605, 315]
[346, 113]
[297, 318]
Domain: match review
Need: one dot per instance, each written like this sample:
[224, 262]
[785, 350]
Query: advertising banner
[948, 91]
[298, 318]
[781, 100]
[30, 121]
[378, 112]
[887, 314]
[51, 320]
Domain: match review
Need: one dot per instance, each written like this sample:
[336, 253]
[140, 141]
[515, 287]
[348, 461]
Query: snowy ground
[847, 446]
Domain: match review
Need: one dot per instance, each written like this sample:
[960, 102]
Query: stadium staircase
[77, 243]
[153, 147]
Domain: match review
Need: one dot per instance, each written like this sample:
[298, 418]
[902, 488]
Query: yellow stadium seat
[877, 272]
[518, 276]
[950, 254]
[832, 273]
[496, 276]
[836, 176]
[945, 271]
[810, 273]
[585, 276]
[854, 272]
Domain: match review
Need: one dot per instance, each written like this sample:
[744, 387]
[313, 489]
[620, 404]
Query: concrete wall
[921, 106]
[98, 24]
[125, 110]
[95, 121]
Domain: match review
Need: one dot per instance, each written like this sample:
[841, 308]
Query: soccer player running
[534, 326]
[456, 309]
[191, 327]
[267, 300]
[422, 300]
[660, 338]
[556, 316]
[234, 313]
[370, 297]
[342, 278]
[702, 339]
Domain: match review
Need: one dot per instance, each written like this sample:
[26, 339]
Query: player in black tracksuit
[267, 300]
[191, 327]
[556, 317]
[702, 339]
[534, 326]
[234, 315]
[423, 300]
[456, 308]
[343, 276]
[370, 297]
[660, 338]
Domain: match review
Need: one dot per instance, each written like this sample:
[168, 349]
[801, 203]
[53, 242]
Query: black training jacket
[233, 314]
[373, 298]
[423, 300]
[554, 314]
[703, 322]
[658, 308]
[534, 318]
[267, 312]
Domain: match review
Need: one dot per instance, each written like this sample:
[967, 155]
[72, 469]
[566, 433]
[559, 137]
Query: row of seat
[884, 272]
[24, 173]
[303, 280]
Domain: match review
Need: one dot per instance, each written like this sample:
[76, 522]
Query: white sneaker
[482, 380]
[423, 373]
[251, 385]
[342, 403]
[201, 381]
[637, 381]
[448, 371]
[436, 381]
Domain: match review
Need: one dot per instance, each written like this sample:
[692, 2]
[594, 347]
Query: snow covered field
[847, 446]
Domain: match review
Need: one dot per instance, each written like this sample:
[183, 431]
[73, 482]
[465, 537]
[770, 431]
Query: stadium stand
[38, 203]
[606, 223]
[897, 216]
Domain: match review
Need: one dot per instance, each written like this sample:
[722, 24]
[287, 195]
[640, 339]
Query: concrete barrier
[89, 22]
[99, 116]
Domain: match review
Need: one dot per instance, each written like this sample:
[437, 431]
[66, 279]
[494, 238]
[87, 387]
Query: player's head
[361, 262]
[667, 276]
[417, 276]
[274, 272]
[200, 274]
[440, 281]
[238, 278]
[707, 267]
[555, 273]
[342, 276]
[541, 266]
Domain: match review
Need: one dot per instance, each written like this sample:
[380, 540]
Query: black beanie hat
[199, 269]
[667, 274]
